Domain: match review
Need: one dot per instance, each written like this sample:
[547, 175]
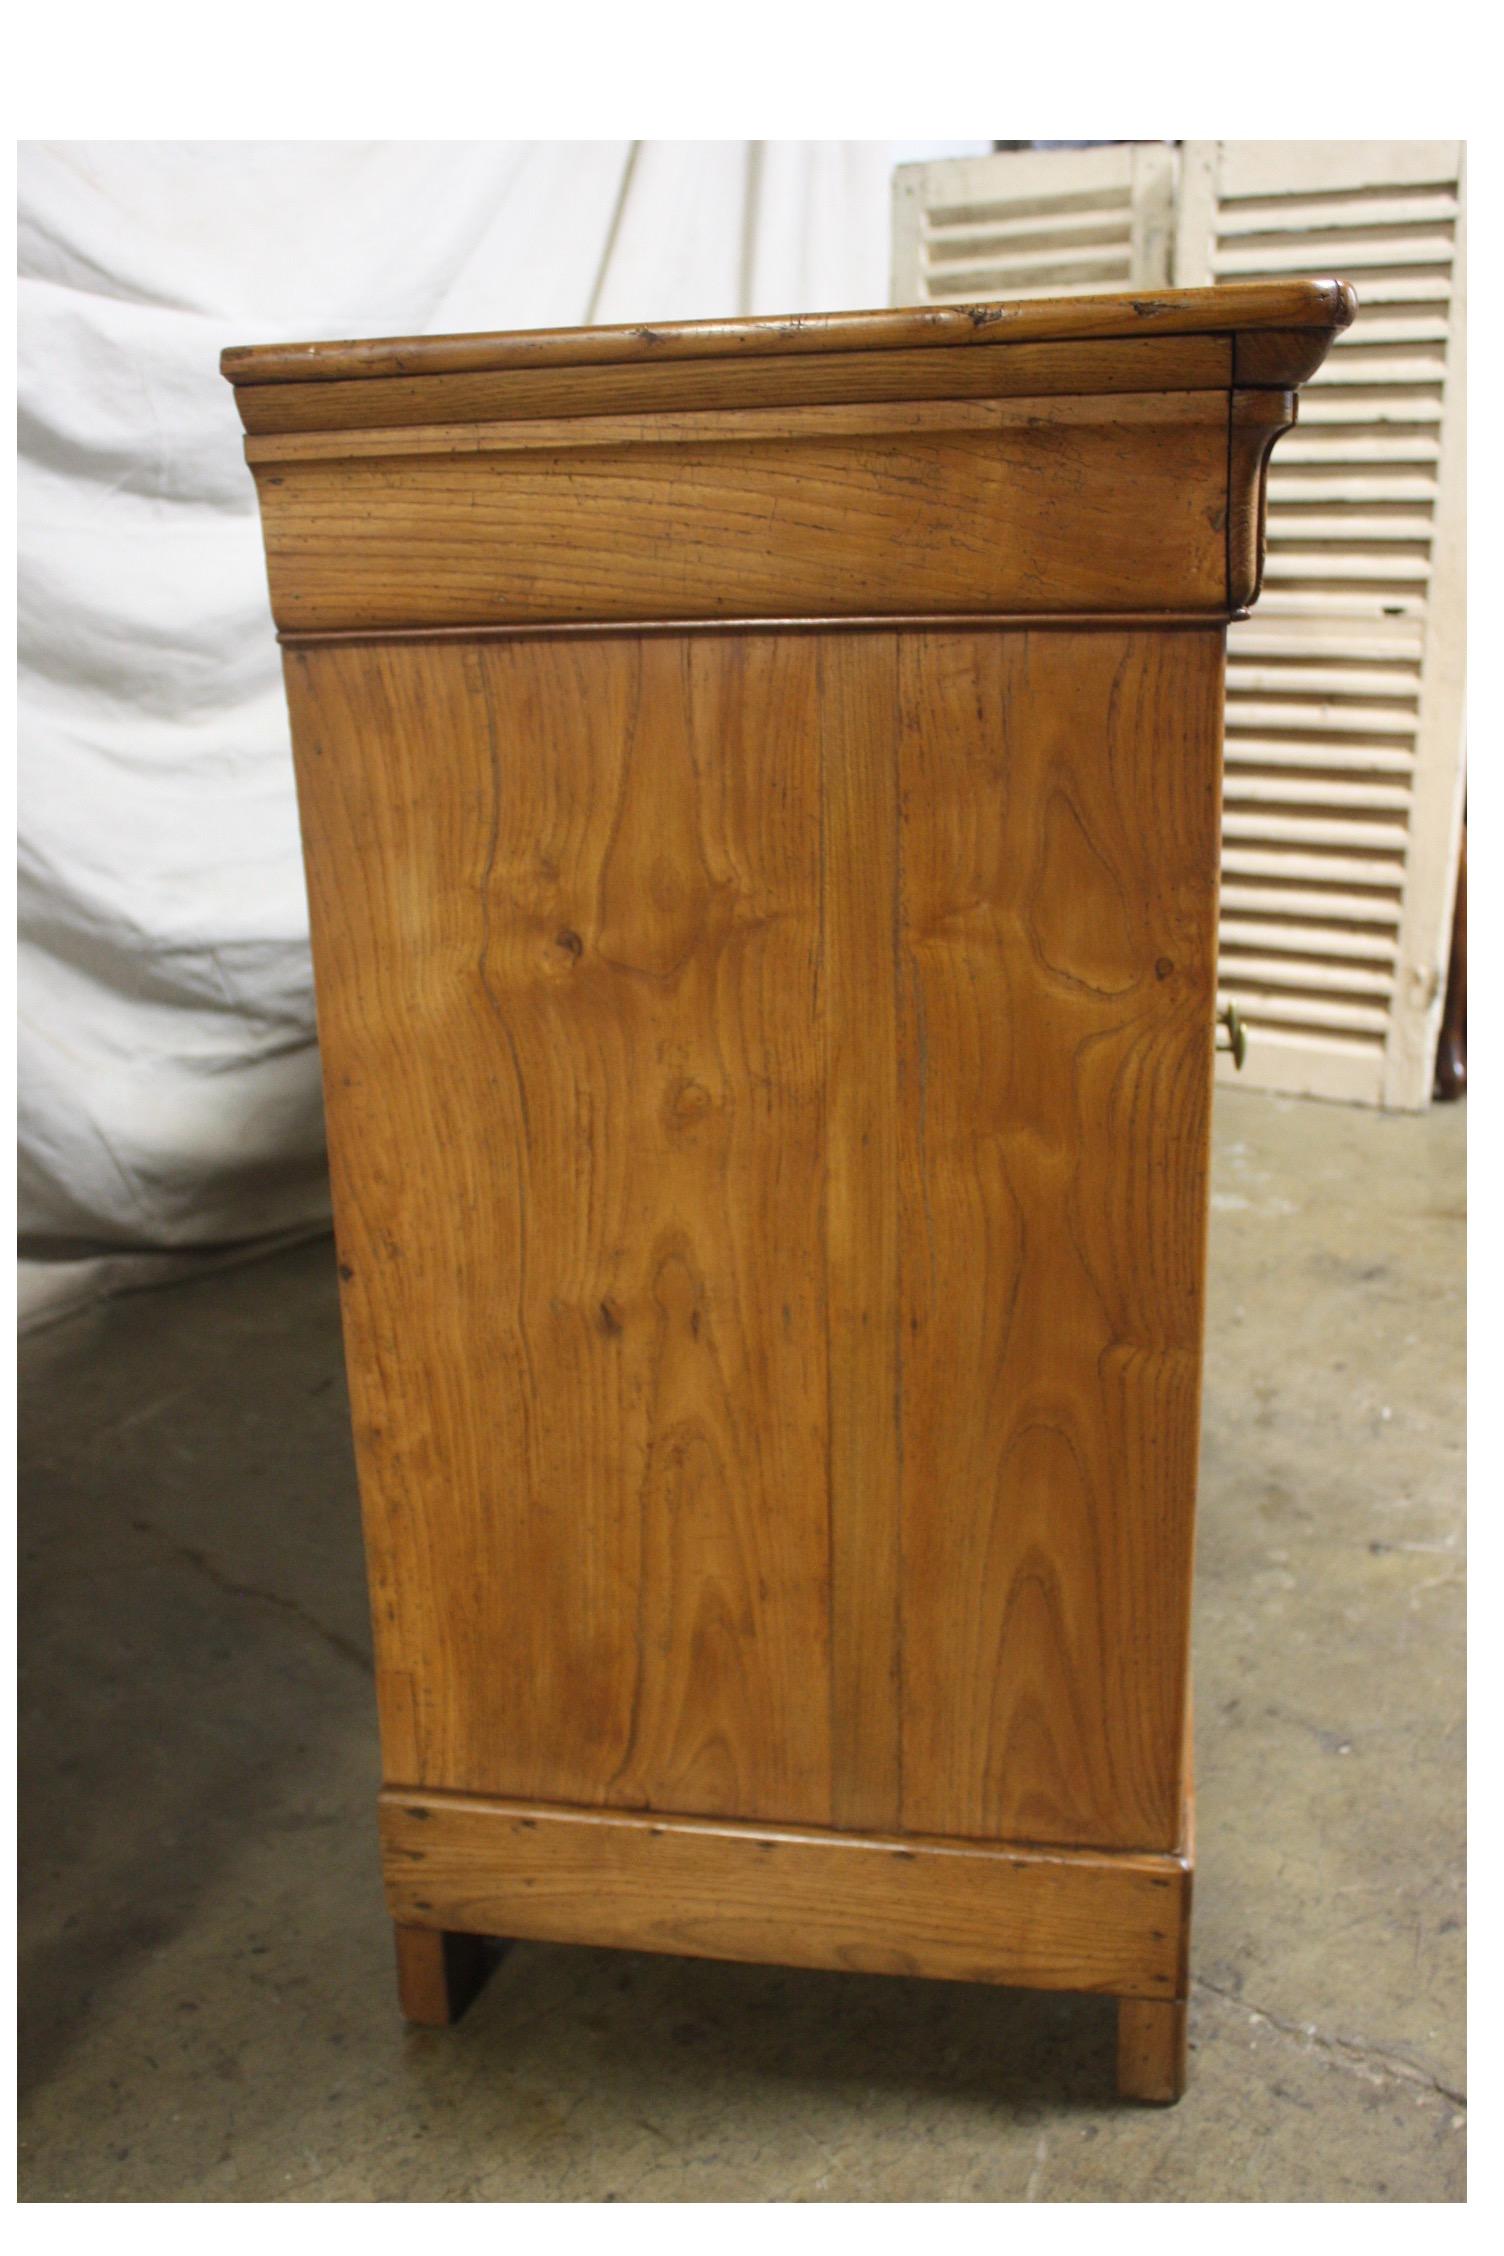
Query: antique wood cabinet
[760, 788]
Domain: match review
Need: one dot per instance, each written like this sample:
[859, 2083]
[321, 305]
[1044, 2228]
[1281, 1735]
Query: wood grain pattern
[1285, 304]
[747, 428]
[574, 965]
[860, 964]
[1059, 846]
[745, 998]
[967, 506]
[1135, 364]
[859, 1903]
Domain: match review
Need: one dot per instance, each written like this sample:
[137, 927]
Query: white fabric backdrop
[169, 1082]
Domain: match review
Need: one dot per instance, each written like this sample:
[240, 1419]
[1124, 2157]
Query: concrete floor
[206, 1981]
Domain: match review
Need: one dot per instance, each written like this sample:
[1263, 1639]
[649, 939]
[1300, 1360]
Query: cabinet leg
[1151, 2049]
[438, 1973]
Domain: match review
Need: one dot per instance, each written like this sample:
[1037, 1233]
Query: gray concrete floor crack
[204, 1565]
[1351, 2050]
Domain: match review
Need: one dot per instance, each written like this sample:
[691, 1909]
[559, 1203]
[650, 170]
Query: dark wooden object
[1451, 1048]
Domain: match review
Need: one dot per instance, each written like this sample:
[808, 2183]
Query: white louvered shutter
[1034, 223]
[1344, 690]
[1344, 712]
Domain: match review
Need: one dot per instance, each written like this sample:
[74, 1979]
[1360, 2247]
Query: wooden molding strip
[1100, 366]
[908, 622]
[1258, 418]
[764, 425]
[1070, 1919]
[1320, 305]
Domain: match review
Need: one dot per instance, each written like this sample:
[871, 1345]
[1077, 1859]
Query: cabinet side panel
[566, 916]
[1058, 853]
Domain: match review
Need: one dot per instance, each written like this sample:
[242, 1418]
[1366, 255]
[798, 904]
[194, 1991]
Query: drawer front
[975, 506]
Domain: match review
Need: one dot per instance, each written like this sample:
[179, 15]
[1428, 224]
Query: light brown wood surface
[867, 1904]
[762, 841]
[1153, 2035]
[1058, 914]
[1257, 420]
[935, 505]
[1105, 365]
[1234, 308]
[776, 1388]
[437, 1973]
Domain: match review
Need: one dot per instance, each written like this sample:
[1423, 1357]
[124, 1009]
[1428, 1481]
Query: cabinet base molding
[1114, 1922]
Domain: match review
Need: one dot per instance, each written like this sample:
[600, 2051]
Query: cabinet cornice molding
[1313, 305]
[1097, 458]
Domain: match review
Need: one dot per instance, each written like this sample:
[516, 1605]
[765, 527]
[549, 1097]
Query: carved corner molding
[1256, 420]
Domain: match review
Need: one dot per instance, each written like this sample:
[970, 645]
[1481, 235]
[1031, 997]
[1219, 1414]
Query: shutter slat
[1338, 564]
[1363, 759]
[1309, 831]
[1347, 870]
[1334, 403]
[1326, 939]
[1296, 677]
[1048, 260]
[1359, 447]
[1261, 894]
[1360, 642]
[1299, 707]
[1282, 214]
[1347, 603]
[1252, 723]
[1242, 968]
[1350, 253]
[1350, 525]
[1381, 368]
[1246, 788]
[1358, 486]
[1005, 231]
[1259, 1003]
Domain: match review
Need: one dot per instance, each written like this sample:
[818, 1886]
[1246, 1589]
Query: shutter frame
[1352, 599]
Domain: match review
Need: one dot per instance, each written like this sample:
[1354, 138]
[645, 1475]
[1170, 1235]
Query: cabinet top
[1316, 308]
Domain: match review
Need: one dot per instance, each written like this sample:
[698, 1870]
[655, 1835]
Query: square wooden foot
[438, 1973]
[1152, 2049]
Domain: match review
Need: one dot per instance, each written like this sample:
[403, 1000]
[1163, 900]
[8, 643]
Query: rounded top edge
[1228, 307]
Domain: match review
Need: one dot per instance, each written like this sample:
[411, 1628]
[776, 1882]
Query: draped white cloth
[169, 1077]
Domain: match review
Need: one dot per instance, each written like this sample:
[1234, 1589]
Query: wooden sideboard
[760, 795]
